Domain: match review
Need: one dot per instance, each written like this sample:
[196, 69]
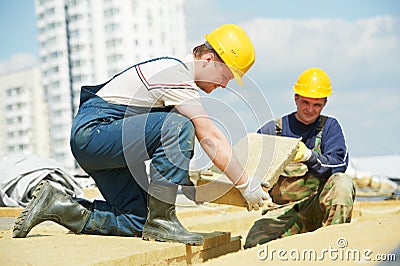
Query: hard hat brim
[316, 94]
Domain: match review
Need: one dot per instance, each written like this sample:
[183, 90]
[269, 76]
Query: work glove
[253, 193]
[302, 153]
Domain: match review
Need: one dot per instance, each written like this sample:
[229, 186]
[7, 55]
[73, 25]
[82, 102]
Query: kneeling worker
[150, 111]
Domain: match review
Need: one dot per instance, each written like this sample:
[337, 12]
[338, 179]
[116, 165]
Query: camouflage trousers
[309, 203]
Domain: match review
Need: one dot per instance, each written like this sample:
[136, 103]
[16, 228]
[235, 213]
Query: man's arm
[220, 151]
[214, 143]
[334, 156]
[268, 128]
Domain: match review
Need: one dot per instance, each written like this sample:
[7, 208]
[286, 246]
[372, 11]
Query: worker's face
[308, 109]
[211, 73]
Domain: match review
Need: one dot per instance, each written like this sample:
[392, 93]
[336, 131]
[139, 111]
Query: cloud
[18, 62]
[356, 54]
[346, 49]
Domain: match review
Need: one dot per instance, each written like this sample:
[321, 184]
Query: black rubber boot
[162, 223]
[85, 203]
[51, 204]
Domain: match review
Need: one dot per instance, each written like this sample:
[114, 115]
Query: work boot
[162, 223]
[85, 203]
[51, 204]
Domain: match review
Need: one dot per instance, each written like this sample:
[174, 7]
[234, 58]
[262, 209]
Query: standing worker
[150, 111]
[313, 188]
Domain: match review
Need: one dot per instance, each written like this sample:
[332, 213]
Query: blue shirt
[334, 153]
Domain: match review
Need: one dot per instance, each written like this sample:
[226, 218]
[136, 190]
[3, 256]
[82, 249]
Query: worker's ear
[296, 98]
[207, 58]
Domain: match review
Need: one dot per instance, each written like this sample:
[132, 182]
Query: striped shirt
[160, 82]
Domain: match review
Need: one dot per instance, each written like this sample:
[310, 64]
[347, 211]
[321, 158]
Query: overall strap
[320, 127]
[278, 126]
[318, 137]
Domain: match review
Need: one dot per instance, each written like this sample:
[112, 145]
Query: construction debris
[369, 186]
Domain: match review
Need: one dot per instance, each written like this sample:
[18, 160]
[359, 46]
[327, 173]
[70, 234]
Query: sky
[357, 42]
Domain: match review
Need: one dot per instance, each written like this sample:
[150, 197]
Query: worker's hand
[253, 193]
[302, 153]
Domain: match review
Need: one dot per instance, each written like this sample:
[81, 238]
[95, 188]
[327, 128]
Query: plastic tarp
[20, 174]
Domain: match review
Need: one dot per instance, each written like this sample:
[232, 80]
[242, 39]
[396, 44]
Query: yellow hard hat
[234, 47]
[313, 83]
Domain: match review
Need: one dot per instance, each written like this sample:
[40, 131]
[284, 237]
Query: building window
[134, 5]
[14, 91]
[149, 18]
[72, 3]
[55, 84]
[113, 43]
[53, 25]
[76, 47]
[55, 54]
[50, 11]
[114, 58]
[76, 63]
[78, 78]
[74, 33]
[42, 30]
[51, 70]
[111, 12]
[57, 113]
[111, 27]
[75, 17]
[56, 99]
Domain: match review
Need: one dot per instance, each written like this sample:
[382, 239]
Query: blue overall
[111, 142]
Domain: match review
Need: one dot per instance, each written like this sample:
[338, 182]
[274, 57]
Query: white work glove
[253, 193]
